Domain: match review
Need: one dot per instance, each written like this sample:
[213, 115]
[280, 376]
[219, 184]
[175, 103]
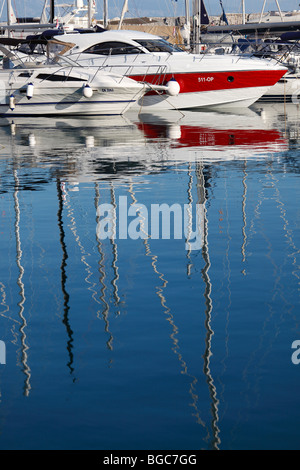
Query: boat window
[113, 48]
[158, 45]
[59, 78]
[25, 74]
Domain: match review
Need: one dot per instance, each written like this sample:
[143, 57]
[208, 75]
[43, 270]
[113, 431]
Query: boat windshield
[30, 48]
[158, 45]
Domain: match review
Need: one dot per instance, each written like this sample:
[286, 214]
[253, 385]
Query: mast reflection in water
[147, 343]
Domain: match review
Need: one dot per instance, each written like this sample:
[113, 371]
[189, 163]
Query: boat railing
[157, 71]
[90, 73]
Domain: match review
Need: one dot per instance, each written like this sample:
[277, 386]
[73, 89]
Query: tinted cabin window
[113, 48]
[158, 45]
[59, 78]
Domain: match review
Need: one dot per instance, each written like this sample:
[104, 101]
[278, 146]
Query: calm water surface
[151, 343]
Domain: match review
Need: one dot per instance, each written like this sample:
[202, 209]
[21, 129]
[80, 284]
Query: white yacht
[65, 89]
[199, 80]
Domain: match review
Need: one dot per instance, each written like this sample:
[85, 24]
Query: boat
[64, 89]
[199, 80]
[69, 16]
[65, 16]
[277, 16]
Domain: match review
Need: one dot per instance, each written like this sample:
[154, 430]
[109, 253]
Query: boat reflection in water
[152, 318]
[220, 136]
[122, 140]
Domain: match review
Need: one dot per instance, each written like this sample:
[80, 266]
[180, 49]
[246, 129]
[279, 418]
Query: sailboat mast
[187, 11]
[124, 10]
[263, 9]
[243, 12]
[197, 25]
[52, 11]
[9, 13]
[105, 14]
[188, 22]
[200, 21]
[279, 10]
[90, 13]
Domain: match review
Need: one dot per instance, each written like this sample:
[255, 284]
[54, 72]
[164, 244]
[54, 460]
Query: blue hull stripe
[68, 102]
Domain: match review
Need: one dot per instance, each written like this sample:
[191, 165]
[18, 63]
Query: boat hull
[210, 90]
[52, 93]
[40, 106]
[217, 99]
[203, 82]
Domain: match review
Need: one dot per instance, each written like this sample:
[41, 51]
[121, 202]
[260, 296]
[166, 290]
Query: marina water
[129, 335]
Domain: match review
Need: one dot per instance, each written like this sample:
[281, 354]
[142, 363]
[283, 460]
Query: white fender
[29, 91]
[12, 102]
[90, 141]
[174, 131]
[32, 140]
[173, 87]
[87, 91]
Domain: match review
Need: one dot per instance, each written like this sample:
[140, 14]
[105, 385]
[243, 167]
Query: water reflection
[201, 191]
[91, 161]
[66, 296]
[73, 145]
[103, 273]
[161, 292]
[21, 303]
[94, 149]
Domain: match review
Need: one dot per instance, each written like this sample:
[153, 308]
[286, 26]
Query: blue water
[151, 343]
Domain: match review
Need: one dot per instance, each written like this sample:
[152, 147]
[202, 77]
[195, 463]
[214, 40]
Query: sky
[154, 7]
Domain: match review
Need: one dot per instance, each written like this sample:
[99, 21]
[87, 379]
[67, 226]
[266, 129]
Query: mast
[187, 12]
[199, 26]
[263, 9]
[9, 15]
[105, 14]
[43, 18]
[279, 9]
[124, 10]
[188, 21]
[243, 12]
[196, 25]
[52, 11]
[90, 12]
[200, 17]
